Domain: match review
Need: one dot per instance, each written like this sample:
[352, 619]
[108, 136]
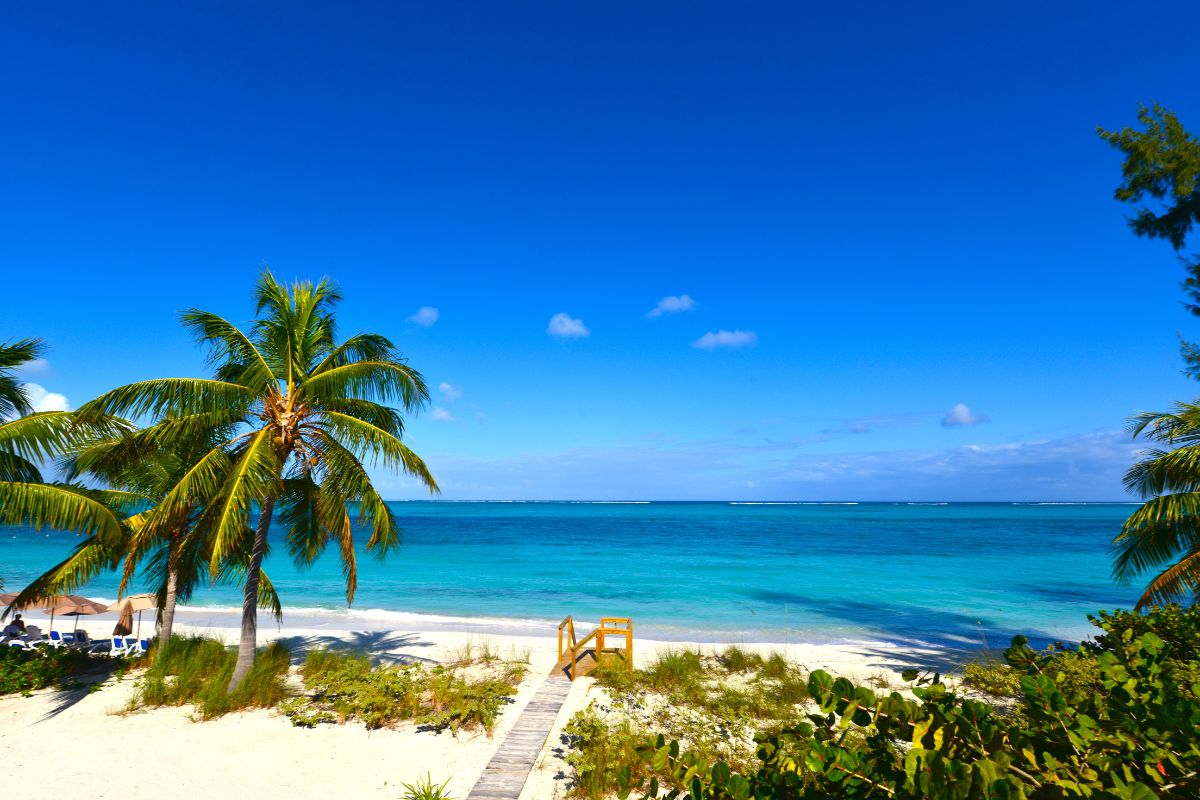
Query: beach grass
[195, 670]
[714, 702]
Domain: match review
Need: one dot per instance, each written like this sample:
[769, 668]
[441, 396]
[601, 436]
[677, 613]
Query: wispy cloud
[1080, 467]
[713, 340]
[425, 316]
[564, 326]
[42, 400]
[450, 393]
[961, 415]
[38, 366]
[440, 415]
[671, 305]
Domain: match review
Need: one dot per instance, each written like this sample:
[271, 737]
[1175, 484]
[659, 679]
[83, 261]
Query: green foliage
[13, 355]
[602, 756]
[29, 670]
[426, 789]
[716, 703]
[1162, 162]
[344, 686]
[735, 684]
[1108, 721]
[195, 670]
[994, 678]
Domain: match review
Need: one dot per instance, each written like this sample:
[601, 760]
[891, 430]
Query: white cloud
[961, 415]
[38, 366]
[425, 316]
[711, 341]
[564, 326]
[42, 400]
[441, 415]
[450, 393]
[672, 305]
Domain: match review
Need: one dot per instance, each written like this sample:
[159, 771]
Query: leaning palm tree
[167, 539]
[305, 413]
[1163, 535]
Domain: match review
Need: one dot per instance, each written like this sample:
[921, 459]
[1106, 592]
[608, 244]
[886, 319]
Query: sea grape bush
[26, 671]
[1132, 734]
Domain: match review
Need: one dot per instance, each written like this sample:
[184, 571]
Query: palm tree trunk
[249, 641]
[168, 612]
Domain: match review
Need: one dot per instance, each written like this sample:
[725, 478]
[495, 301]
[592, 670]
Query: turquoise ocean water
[939, 574]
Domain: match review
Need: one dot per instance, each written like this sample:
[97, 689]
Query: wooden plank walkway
[505, 775]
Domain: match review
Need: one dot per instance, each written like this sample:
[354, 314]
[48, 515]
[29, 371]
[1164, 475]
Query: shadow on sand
[924, 638]
[381, 646]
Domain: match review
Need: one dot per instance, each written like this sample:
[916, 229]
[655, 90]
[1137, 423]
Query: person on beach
[20, 623]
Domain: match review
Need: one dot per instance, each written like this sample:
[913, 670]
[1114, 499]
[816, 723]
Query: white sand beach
[83, 745]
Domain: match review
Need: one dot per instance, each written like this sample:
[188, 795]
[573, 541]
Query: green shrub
[602, 756]
[196, 670]
[26, 671]
[344, 686]
[994, 678]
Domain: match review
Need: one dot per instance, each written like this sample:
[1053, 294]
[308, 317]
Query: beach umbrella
[72, 605]
[138, 603]
[124, 625]
[7, 598]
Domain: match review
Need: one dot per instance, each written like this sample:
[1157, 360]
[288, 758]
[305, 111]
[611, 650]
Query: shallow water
[945, 574]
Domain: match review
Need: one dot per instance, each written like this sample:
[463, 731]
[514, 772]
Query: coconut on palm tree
[305, 416]
[1163, 536]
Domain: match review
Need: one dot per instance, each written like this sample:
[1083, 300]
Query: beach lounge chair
[56, 639]
[33, 635]
[139, 647]
[119, 647]
[82, 639]
[18, 643]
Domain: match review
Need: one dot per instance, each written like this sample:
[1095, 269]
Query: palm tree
[166, 538]
[1163, 535]
[304, 414]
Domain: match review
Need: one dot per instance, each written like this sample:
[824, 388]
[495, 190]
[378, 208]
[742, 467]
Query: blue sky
[885, 218]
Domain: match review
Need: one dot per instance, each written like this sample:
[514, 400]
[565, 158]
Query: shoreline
[403, 636]
[378, 619]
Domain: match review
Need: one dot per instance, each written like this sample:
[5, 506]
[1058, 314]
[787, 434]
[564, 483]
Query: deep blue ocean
[940, 574]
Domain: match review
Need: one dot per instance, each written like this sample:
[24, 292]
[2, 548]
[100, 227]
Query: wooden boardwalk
[505, 775]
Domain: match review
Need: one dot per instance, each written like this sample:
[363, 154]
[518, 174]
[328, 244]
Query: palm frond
[13, 399]
[253, 478]
[384, 381]
[378, 447]
[58, 506]
[1179, 582]
[174, 397]
[88, 559]
[228, 344]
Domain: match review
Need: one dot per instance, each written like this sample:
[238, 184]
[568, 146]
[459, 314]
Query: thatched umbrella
[138, 603]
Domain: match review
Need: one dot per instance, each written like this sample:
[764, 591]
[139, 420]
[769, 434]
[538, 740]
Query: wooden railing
[570, 648]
